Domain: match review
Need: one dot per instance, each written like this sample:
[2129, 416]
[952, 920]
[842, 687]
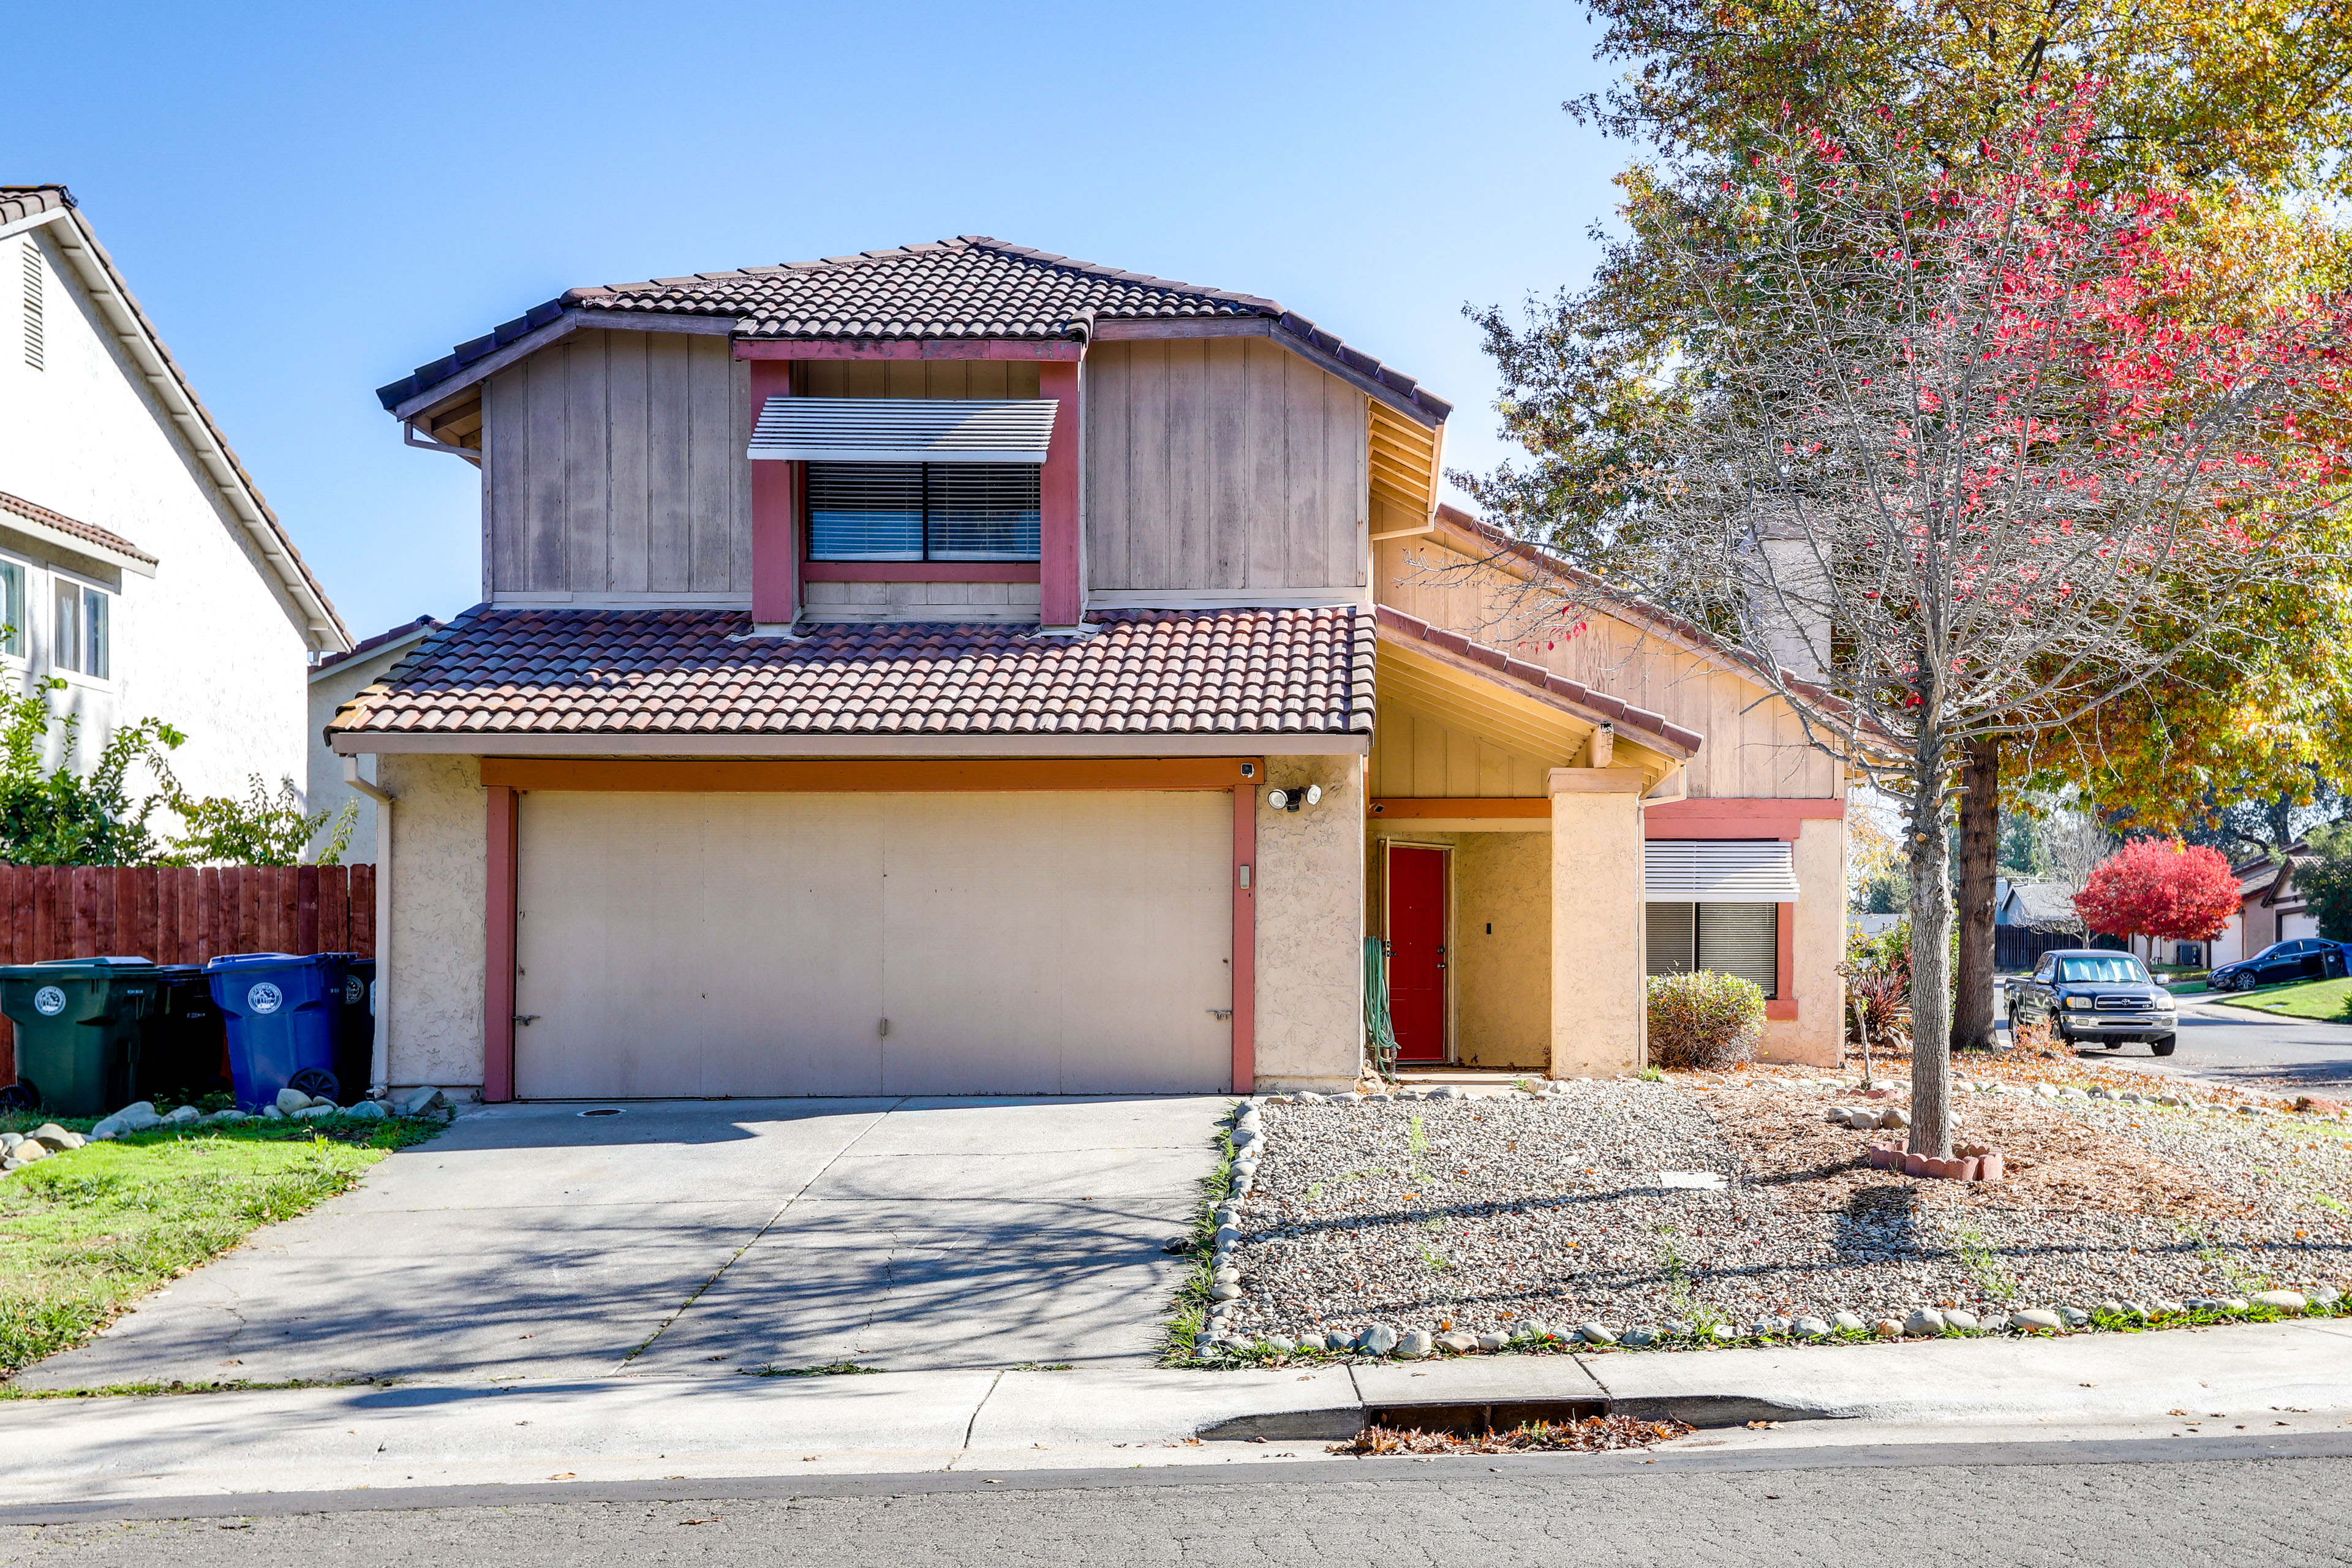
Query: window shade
[922, 511]
[1742, 940]
[904, 429]
[1728, 938]
[1719, 870]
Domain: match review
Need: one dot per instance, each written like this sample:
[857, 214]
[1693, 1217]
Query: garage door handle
[526, 1018]
[1221, 1013]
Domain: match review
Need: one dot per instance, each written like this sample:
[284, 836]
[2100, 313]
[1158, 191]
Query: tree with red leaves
[2161, 889]
[1951, 460]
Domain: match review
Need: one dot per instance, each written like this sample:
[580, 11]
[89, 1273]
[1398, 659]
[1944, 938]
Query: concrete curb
[627, 1430]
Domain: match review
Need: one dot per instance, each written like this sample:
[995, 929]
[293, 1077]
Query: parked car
[2091, 994]
[2301, 958]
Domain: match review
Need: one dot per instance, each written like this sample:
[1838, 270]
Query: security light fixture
[1292, 799]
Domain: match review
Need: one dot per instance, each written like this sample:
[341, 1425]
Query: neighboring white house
[335, 679]
[138, 562]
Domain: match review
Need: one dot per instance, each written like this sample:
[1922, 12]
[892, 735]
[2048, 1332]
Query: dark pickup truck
[2091, 994]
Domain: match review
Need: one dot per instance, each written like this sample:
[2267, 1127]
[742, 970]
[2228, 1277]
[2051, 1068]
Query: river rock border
[1215, 1345]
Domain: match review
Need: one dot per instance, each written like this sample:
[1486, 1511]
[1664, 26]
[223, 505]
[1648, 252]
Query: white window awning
[904, 429]
[1718, 871]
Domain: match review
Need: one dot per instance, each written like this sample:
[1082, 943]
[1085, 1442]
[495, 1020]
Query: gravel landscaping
[1680, 1213]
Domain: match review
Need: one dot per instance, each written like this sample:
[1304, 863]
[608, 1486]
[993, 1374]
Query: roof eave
[321, 626]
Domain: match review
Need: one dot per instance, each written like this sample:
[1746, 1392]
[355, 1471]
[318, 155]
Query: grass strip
[86, 1233]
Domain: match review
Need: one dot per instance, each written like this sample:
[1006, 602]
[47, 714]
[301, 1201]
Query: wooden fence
[178, 914]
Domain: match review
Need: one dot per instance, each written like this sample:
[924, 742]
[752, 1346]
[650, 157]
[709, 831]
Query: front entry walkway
[704, 1239]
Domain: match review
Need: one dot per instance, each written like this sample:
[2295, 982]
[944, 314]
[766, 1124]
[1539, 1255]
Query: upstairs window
[923, 512]
[83, 629]
[12, 609]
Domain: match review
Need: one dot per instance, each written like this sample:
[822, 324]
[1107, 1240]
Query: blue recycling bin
[283, 1012]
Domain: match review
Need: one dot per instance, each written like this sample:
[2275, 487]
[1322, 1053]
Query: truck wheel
[2162, 1048]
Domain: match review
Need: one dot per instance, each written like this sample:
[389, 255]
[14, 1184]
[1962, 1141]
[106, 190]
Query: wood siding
[1221, 463]
[914, 378]
[1752, 748]
[1416, 754]
[614, 464]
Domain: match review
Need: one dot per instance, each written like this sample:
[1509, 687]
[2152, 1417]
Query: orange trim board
[1398, 808]
[724, 775]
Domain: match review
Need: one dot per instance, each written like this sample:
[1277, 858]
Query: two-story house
[139, 564]
[959, 670]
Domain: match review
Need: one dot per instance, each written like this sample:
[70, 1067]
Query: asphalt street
[2020, 1507]
[2220, 1044]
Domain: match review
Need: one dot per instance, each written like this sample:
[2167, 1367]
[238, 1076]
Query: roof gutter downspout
[380, 1058]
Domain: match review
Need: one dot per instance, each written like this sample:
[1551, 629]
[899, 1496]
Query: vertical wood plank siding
[179, 915]
[1221, 463]
[615, 466]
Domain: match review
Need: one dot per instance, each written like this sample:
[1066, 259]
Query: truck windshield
[2116, 970]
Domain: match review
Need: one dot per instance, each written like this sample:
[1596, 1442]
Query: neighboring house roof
[2042, 905]
[2280, 891]
[406, 633]
[73, 528]
[968, 288]
[24, 207]
[1599, 705]
[529, 670]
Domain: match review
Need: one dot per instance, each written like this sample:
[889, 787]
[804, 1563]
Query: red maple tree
[2162, 889]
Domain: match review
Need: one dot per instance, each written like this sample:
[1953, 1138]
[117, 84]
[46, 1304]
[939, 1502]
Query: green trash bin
[77, 1032]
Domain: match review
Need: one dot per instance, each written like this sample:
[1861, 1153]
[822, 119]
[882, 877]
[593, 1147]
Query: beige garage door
[755, 944]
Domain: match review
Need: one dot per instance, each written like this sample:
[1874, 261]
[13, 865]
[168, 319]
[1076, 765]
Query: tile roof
[25, 201]
[1412, 628]
[367, 646]
[971, 286]
[89, 531]
[548, 671]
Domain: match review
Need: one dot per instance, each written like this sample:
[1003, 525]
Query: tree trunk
[1972, 1020]
[1931, 953]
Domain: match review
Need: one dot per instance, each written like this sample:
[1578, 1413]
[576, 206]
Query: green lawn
[84, 1234]
[2311, 999]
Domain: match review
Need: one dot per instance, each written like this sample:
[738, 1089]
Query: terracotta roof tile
[970, 287]
[88, 531]
[696, 671]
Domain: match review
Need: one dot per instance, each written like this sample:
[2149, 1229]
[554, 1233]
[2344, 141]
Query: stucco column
[1599, 1015]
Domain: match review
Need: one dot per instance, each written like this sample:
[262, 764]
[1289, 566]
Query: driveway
[704, 1239]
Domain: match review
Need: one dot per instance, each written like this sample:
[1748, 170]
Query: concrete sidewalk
[2252, 1380]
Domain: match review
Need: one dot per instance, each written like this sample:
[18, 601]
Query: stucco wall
[1501, 951]
[206, 643]
[438, 888]
[1815, 1035]
[1597, 958]
[1310, 882]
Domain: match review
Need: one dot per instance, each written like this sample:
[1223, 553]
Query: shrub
[1702, 1019]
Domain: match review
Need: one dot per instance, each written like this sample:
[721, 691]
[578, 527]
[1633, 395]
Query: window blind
[922, 511]
[1719, 870]
[1729, 939]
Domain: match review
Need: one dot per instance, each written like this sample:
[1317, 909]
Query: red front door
[1417, 952]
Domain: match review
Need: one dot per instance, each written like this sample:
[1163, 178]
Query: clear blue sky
[311, 200]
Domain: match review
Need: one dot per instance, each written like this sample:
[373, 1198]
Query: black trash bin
[184, 1053]
[355, 1029]
[2331, 962]
[78, 1027]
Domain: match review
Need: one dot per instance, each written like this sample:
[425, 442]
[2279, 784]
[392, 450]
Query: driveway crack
[755, 1237]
